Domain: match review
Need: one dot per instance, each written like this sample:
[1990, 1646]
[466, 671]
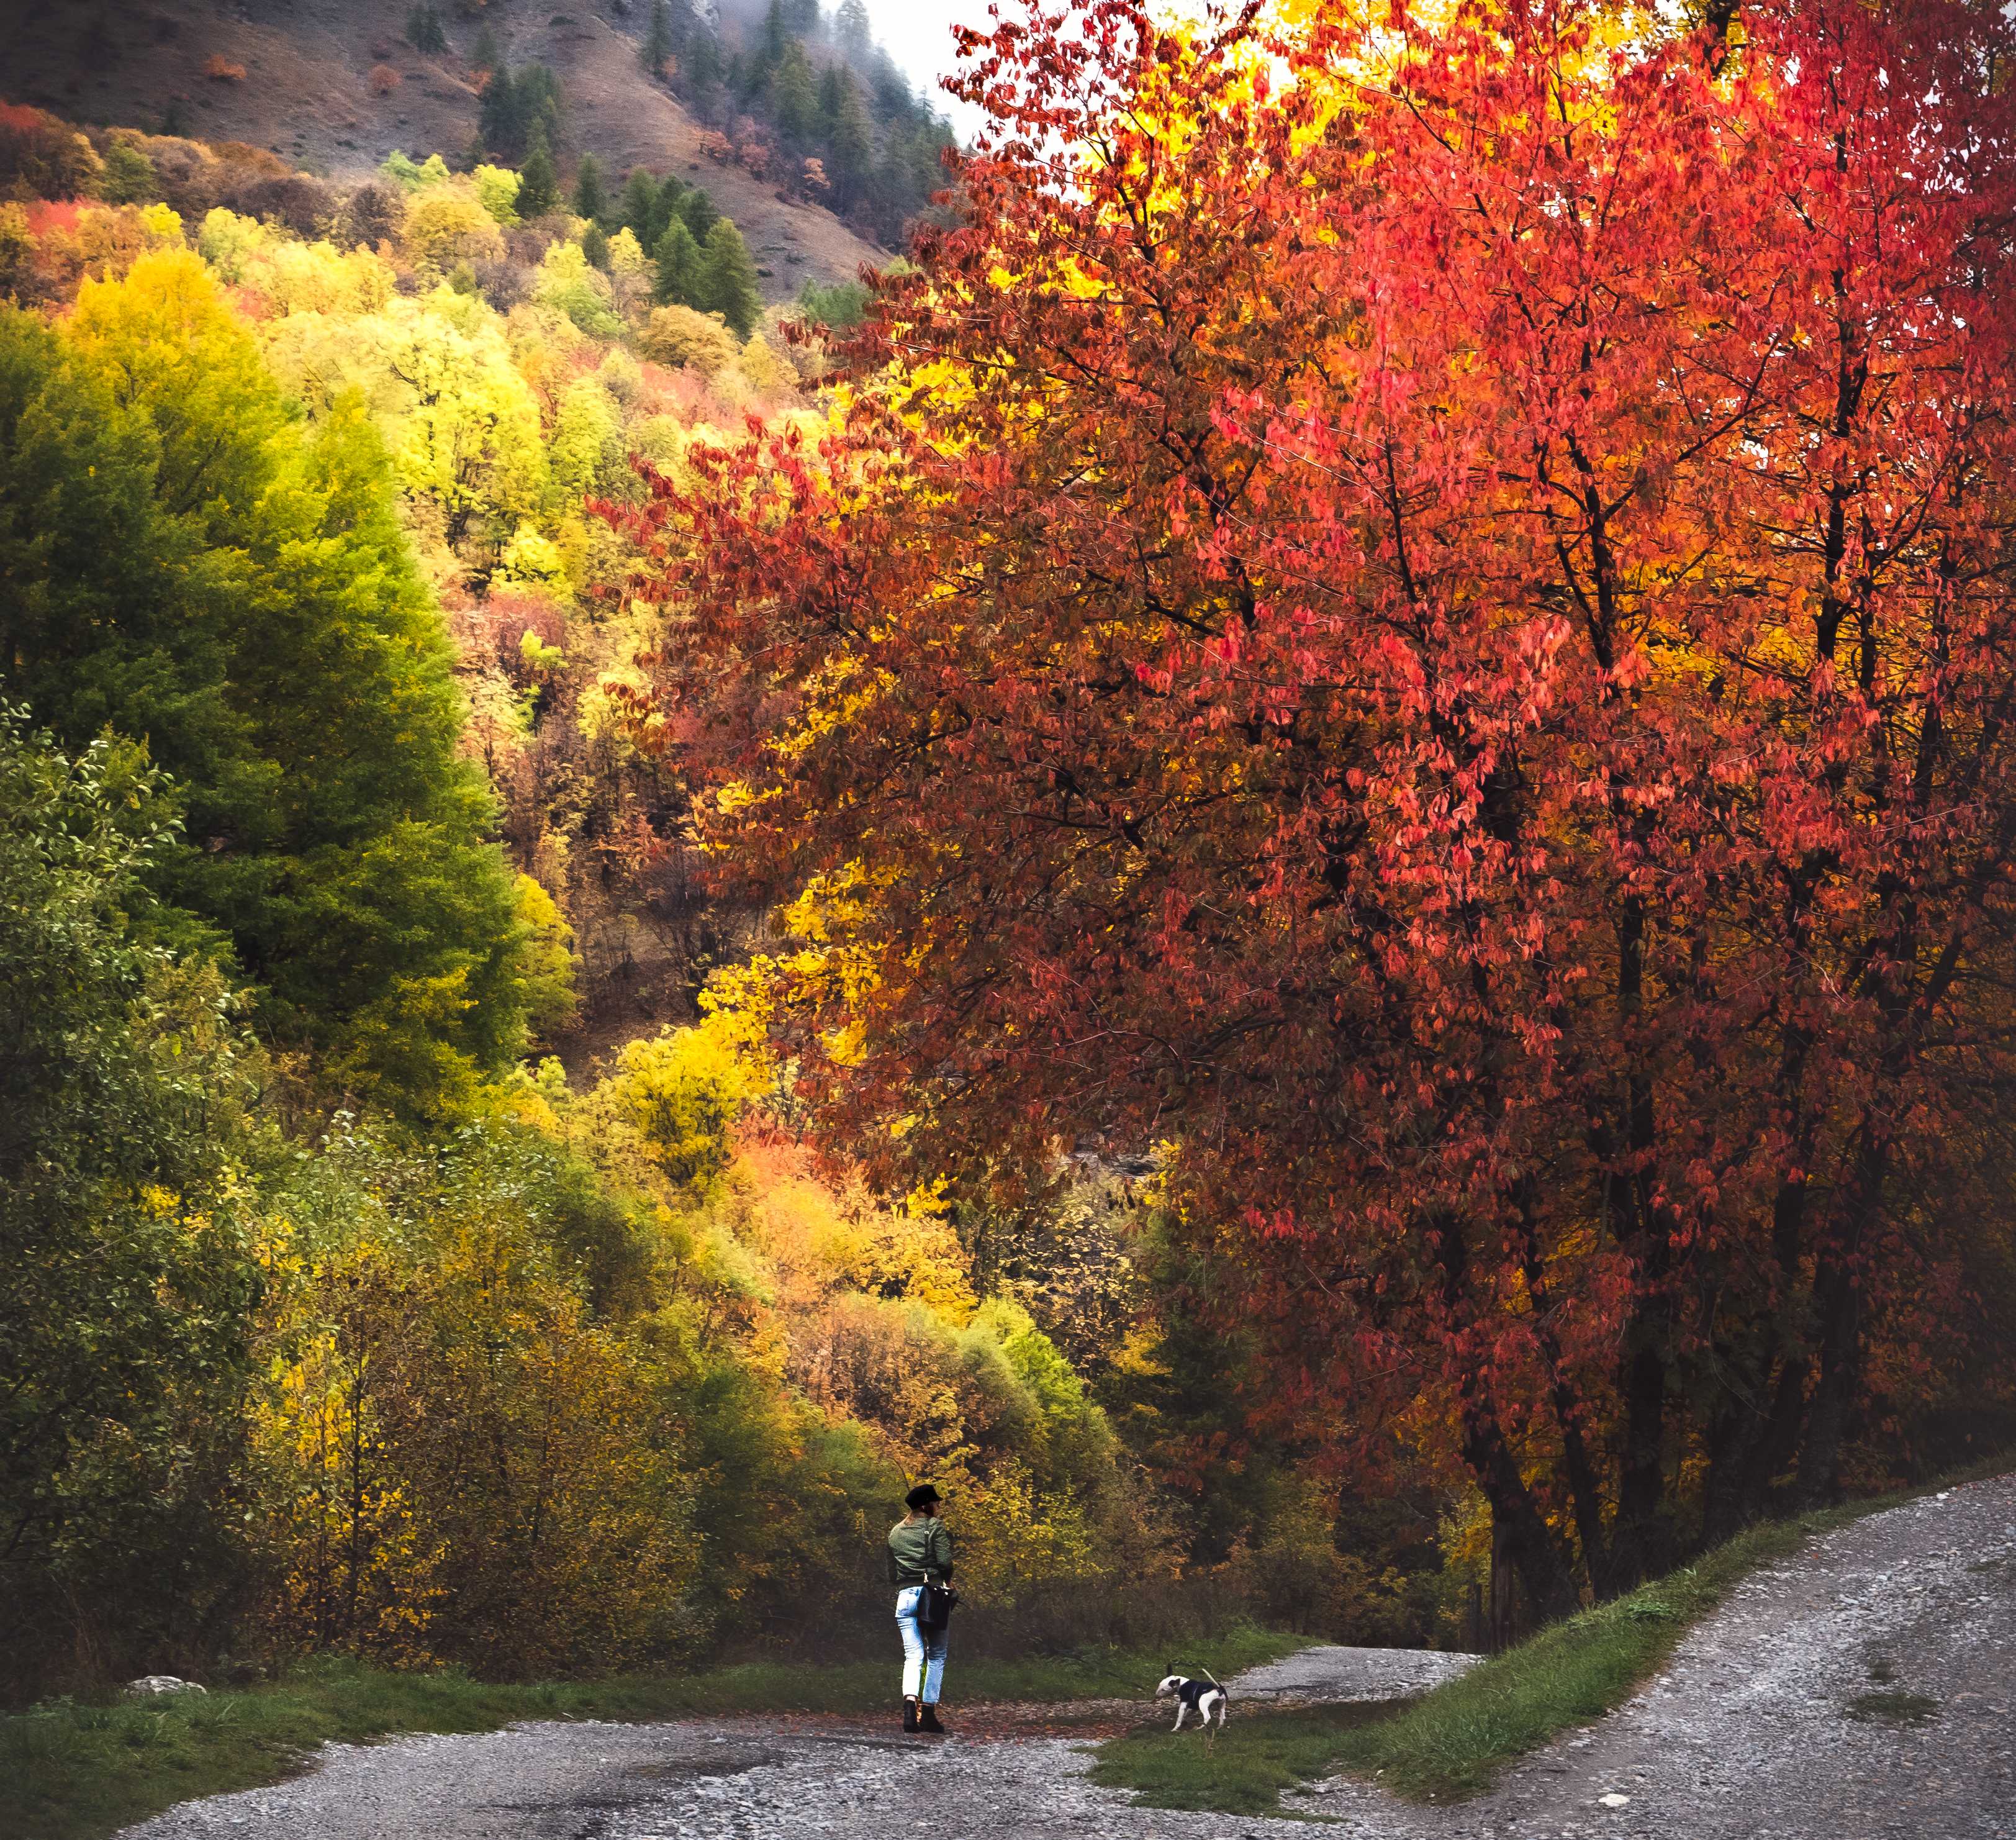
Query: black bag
[934, 1603]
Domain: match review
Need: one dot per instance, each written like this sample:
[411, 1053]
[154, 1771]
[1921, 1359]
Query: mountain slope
[308, 93]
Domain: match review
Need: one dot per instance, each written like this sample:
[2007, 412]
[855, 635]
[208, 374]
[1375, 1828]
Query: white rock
[148, 1684]
[1613, 1799]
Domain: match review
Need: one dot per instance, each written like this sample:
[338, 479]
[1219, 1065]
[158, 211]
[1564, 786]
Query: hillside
[308, 94]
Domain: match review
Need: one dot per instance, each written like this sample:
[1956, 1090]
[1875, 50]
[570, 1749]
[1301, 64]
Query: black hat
[923, 1496]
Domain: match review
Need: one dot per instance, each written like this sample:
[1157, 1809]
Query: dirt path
[1751, 1732]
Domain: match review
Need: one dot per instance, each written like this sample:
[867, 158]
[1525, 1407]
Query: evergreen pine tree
[700, 212]
[770, 46]
[893, 99]
[680, 281]
[704, 64]
[539, 185]
[657, 46]
[671, 197]
[486, 55]
[728, 279]
[637, 210]
[591, 200]
[850, 143]
[423, 30]
[595, 245]
[794, 100]
[851, 25]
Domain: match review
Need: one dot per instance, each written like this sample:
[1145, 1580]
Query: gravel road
[1753, 1732]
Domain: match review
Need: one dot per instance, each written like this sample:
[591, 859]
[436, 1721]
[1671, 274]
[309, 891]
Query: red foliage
[384, 79]
[1447, 644]
[50, 216]
[220, 67]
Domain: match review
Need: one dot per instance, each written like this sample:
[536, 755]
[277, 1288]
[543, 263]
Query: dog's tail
[1225, 1698]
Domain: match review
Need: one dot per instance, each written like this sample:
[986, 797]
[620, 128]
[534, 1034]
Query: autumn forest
[1293, 855]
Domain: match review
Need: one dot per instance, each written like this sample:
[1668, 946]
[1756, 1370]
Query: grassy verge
[75, 1770]
[1448, 1744]
[1245, 1771]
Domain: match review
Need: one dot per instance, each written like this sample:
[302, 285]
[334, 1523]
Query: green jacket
[919, 1550]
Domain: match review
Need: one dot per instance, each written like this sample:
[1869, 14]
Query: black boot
[928, 1721]
[910, 1715]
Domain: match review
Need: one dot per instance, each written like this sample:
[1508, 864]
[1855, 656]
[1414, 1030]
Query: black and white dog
[1204, 1697]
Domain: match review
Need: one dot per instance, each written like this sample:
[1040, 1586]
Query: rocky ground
[1864, 1687]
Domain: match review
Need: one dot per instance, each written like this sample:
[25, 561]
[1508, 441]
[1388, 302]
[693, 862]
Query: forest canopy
[1294, 861]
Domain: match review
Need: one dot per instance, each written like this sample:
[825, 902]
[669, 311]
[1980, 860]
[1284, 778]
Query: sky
[917, 33]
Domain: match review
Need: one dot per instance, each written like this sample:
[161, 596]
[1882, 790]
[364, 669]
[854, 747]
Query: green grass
[1448, 1744]
[1244, 1771]
[78, 1769]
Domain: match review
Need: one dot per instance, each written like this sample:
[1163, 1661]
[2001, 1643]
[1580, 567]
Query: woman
[920, 1553]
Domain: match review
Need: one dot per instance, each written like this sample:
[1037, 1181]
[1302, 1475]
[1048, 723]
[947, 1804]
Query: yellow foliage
[673, 1100]
[447, 225]
[766, 368]
[680, 337]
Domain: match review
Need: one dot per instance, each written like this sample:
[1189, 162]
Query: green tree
[850, 27]
[700, 212]
[774, 37]
[681, 282]
[840, 306]
[671, 197]
[705, 66]
[850, 139]
[657, 46]
[637, 209]
[423, 30]
[728, 279]
[486, 56]
[794, 100]
[538, 186]
[124, 1230]
[590, 196]
[515, 103]
[128, 176]
[189, 565]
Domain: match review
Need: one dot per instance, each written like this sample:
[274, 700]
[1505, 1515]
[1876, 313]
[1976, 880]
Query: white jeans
[923, 1650]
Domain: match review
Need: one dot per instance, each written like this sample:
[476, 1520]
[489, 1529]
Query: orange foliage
[220, 67]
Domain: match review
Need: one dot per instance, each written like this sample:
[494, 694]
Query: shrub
[384, 79]
[222, 70]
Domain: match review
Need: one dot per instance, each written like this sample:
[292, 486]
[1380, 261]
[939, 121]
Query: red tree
[1426, 613]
